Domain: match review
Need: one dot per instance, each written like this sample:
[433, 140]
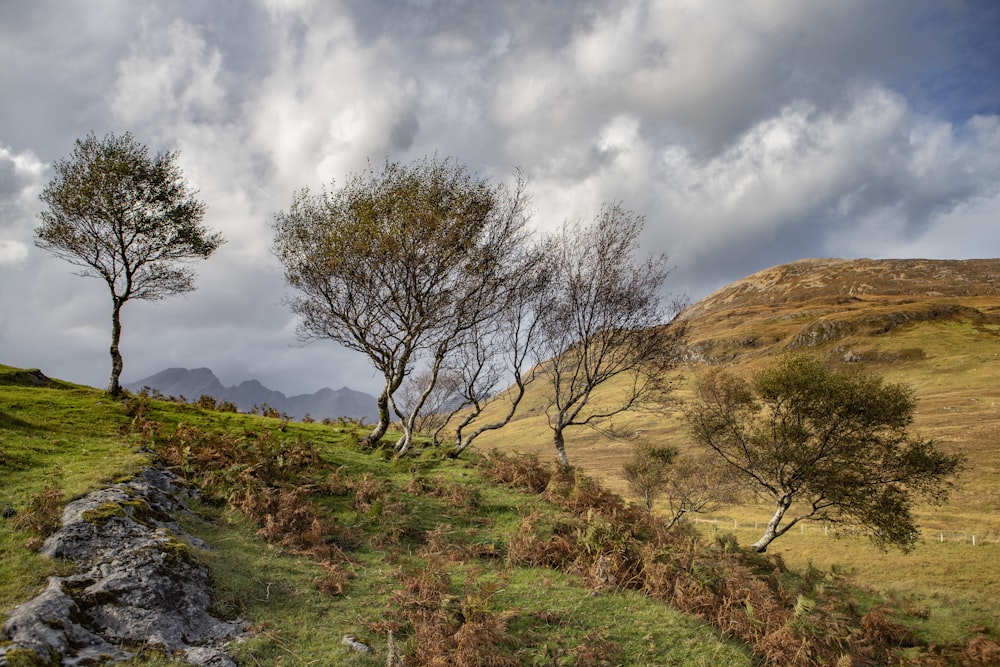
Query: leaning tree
[825, 445]
[502, 351]
[401, 264]
[604, 322]
[127, 218]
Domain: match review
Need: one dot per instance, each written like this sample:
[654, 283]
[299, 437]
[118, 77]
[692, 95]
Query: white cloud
[747, 133]
[330, 101]
[22, 177]
[169, 74]
[12, 253]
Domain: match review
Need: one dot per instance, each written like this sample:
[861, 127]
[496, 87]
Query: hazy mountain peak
[323, 404]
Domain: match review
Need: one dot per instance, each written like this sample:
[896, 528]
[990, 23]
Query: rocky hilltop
[814, 302]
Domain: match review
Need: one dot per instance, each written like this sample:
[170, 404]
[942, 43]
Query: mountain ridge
[812, 302]
[325, 403]
[813, 278]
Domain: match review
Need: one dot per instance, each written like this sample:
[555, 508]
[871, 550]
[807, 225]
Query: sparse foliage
[604, 320]
[825, 444]
[698, 483]
[128, 219]
[647, 472]
[504, 350]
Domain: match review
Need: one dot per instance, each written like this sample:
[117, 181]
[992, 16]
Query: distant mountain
[325, 403]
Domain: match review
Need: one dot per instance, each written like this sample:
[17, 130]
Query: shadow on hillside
[7, 421]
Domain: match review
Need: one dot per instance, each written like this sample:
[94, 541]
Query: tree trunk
[114, 388]
[771, 531]
[410, 421]
[402, 445]
[384, 418]
[462, 444]
[560, 443]
[675, 518]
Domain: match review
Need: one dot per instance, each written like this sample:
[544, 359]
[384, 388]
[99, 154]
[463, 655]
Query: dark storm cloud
[748, 134]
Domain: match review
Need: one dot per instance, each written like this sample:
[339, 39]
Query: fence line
[979, 538]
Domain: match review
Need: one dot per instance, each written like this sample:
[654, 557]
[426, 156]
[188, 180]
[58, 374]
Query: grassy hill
[499, 559]
[489, 560]
[934, 325]
[314, 539]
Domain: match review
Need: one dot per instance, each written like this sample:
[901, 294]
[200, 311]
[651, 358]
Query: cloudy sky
[748, 134]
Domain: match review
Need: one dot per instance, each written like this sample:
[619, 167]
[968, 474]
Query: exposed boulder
[139, 583]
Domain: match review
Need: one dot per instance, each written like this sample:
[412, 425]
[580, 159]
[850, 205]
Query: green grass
[86, 440]
[56, 433]
[299, 625]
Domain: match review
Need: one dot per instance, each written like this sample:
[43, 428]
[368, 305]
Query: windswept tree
[824, 445]
[605, 323]
[502, 352]
[127, 218]
[400, 264]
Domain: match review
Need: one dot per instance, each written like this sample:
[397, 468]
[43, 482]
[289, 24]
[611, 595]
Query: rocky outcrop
[139, 584]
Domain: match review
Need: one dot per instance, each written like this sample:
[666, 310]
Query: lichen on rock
[138, 583]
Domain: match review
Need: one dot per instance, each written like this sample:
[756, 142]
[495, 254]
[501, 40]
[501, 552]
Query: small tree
[127, 218]
[697, 484]
[604, 320]
[825, 445]
[438, 405]
[647, 472]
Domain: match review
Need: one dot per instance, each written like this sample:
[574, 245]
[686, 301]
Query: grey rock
[138, 582]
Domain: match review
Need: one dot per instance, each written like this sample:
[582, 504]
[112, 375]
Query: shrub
[449, 627]
[206, 402]
[521, 472]
[42, 514]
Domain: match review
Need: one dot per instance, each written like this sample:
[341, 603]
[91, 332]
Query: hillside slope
[933, 324]
[815, 302]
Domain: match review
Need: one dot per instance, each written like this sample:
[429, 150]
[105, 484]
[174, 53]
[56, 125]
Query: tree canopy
[401, 264]
[127, 218]
[825, 445]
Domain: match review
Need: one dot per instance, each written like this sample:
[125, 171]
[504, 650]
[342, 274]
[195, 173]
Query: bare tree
[696, 484]
[504, 352]
[128, 219]
[397, 264]
[440, 403]
[604, 320]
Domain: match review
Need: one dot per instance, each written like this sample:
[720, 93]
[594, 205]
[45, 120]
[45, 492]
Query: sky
[748, 134]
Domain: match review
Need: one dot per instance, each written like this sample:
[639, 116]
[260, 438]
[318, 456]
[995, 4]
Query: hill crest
[814, 302]
[831, 278]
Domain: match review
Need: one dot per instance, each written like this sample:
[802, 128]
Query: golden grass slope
[933, 324]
